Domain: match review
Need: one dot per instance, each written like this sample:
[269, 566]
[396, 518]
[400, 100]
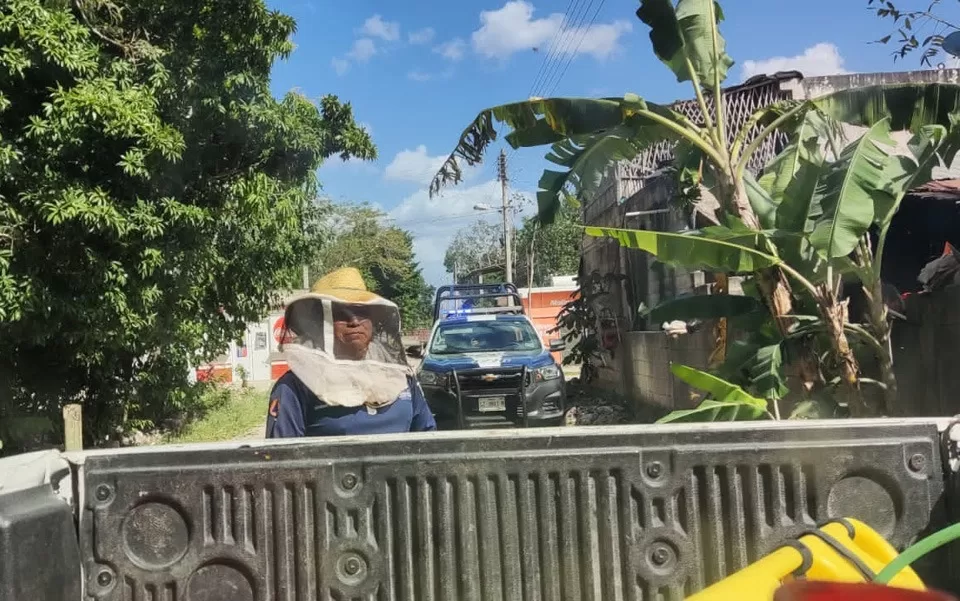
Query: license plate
[492, 403]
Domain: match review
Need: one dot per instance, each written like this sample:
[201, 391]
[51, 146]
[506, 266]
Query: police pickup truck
[484, 365]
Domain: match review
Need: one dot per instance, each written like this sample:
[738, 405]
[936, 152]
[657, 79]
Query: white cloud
[414, 166]
[416, 75]
[340, 65]
[434, 222]
[599, 41]
[421, 76]
[362, 50]
[452, 50]
[512, 28]
[376, 27]
[820, 59]
[421, 36]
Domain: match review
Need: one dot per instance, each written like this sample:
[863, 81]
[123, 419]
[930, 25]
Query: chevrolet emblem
[490, 377]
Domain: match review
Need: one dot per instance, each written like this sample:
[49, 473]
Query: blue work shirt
[295, 411]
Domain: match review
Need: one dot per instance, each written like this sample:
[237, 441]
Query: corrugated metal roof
[947, 189]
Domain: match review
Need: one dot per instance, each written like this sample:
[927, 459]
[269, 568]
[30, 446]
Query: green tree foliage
[153, 196]
[475, 247]
[382, 253]
[552, 249]
[918, 26]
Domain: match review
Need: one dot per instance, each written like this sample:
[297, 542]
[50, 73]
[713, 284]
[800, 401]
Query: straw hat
[346, 285]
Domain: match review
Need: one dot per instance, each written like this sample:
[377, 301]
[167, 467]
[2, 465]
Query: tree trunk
[719, 353]
[834, 315]
[877, 314]
[772, 282]
[881, 327]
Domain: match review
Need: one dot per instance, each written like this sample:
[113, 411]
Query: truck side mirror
[415, 351]
[557, 345]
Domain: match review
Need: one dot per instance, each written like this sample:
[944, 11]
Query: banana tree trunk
[772, 282]
[877, 314]
[774, 286]
[719, 353]
[834, 315]
[879, 324]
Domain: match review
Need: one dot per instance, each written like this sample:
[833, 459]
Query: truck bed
[603, 513]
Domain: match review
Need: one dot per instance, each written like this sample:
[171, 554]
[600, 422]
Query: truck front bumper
[542, 405]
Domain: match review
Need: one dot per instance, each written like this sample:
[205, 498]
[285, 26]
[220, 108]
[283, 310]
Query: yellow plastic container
[844, 550]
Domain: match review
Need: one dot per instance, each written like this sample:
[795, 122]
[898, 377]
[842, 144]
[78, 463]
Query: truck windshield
[484, 336]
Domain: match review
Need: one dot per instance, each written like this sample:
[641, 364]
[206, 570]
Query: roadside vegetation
[230, 413]
[796, 228]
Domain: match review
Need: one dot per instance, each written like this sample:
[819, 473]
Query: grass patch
[231, 413]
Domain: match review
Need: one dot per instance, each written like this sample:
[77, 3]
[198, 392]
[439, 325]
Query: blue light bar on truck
[515, 310]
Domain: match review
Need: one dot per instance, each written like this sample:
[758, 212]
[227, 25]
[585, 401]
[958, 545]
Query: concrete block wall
[647, 357]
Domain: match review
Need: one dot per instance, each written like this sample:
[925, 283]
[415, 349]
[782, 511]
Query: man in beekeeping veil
[348, 372]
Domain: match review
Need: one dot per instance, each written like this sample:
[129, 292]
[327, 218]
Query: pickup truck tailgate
[612, 513]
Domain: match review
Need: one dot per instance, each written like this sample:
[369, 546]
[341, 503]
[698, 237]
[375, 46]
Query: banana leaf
[683, 37]
[848, 191]
[729, 402]
[703, 306]
[907, 106]
[715, 247]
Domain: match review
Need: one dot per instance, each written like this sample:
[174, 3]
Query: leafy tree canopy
[553, 249]
[383, 254]
[475, 247]
[918, 26]
[153, 196]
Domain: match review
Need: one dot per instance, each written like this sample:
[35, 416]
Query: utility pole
[507, 218]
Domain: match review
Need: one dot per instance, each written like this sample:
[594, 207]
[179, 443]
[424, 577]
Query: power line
[551, 56]
[579, 18]
[579, 44]
[554, 56]
[553, 46]
[572, 55]
[406, 224]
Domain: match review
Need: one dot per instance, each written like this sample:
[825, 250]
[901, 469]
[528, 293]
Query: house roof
[943, 189]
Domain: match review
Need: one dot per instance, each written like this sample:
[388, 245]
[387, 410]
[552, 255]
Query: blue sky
[416, 73]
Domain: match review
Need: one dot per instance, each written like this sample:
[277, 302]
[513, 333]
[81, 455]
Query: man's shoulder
[287, 382]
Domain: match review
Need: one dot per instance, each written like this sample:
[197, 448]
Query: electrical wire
[406, 224]
[551, 51]
[567, 46]
[579, 44]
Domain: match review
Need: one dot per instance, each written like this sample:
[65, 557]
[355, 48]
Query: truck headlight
[547, 372]
[430, 378]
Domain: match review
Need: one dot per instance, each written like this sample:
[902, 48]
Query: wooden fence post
[73, 427]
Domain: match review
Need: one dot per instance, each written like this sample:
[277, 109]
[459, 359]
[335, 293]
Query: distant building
[257, 354]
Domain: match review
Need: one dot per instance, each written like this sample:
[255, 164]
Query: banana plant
[587, 136]
[823, 214]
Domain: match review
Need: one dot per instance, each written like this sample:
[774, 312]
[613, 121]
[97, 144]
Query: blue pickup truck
[485, 366]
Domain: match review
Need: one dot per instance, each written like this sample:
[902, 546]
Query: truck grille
[493, 382]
